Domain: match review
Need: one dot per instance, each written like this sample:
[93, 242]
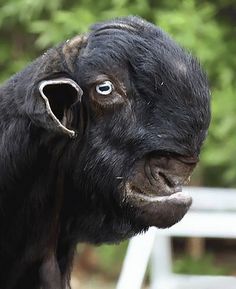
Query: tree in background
[27, 27]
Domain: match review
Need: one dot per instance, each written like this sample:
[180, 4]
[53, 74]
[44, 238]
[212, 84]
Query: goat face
[141, 120]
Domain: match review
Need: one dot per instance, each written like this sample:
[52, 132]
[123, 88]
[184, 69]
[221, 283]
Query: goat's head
[138, 105]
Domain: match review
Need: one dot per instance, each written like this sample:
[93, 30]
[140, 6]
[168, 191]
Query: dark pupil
[104, 88]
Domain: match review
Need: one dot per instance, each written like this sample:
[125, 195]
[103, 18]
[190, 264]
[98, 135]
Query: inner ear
[59, 95]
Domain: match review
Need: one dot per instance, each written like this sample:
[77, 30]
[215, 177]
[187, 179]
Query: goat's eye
[104, 88]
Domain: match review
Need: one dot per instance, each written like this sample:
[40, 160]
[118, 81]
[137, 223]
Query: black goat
[97, 136]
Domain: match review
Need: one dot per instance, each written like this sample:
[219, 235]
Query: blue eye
[104, 88]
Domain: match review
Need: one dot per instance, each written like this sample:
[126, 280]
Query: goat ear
[58, 96]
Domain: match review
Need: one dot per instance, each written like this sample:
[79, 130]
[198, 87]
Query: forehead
[143, 46]
[148, 55]
[120, 42]
[134, 49]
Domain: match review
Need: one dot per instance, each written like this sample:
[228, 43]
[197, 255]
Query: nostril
[167, 180]
[172, 172]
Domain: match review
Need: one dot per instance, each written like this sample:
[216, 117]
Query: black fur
[55, 190]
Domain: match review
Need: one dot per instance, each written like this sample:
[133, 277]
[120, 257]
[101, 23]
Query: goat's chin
[159, 211]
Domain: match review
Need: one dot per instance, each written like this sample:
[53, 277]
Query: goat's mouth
[154, 191]
[176, 195]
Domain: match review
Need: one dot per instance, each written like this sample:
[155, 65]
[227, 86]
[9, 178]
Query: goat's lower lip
[176, 196]
[161, 207]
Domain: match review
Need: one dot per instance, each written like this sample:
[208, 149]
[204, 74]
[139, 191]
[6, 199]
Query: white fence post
[135, 263]
[161, 262]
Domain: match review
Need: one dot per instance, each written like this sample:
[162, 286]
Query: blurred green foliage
[205, 265]
[207, 28]
[111, 257]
